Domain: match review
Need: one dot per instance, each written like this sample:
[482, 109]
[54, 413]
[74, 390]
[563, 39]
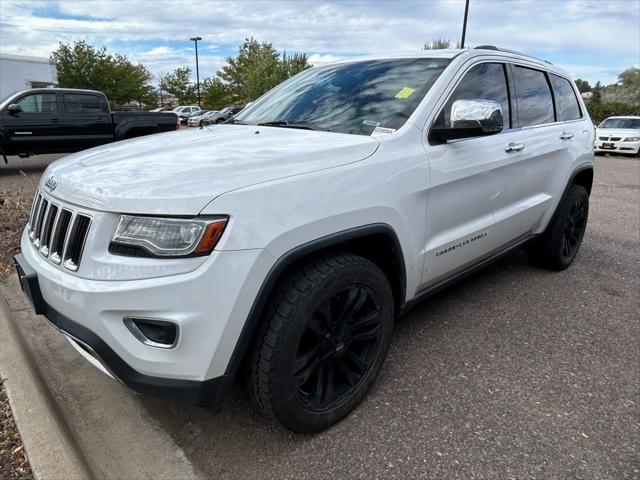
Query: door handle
[514, 147]
[566, 136]
[55, 120]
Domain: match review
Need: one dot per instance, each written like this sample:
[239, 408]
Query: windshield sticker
[382, 131]
[371, 123]
[406, 92]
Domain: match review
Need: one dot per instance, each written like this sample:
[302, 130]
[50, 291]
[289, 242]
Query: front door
[466, 177]
[36, 127]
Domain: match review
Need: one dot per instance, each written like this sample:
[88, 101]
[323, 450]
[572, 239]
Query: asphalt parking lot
[513, 373]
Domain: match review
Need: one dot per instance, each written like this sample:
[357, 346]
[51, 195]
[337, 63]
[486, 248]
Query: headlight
[166, 237]
[631, 139]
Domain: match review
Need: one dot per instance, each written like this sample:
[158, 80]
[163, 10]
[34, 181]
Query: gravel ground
[515, 372]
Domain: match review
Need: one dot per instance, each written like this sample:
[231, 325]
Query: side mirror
[14, 108]
[471, 118]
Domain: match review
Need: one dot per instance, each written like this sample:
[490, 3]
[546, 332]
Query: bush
[598, 111]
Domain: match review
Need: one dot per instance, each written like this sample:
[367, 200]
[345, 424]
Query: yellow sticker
[406, 92]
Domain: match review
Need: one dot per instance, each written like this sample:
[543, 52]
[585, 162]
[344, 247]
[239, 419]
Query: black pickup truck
[61, 120]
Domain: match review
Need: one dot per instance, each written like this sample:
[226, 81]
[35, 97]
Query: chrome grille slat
[58, 232]
[75, 242]
[59, 235]
[34, 215]
[34, 208]
[47, 227]
[37, 231]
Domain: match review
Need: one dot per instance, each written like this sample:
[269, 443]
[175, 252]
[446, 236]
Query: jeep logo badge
[51, 183]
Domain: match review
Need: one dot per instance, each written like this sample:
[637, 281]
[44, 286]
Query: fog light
[153, 332]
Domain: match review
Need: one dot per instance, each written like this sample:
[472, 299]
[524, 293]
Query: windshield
[621, 123]
[348, 97]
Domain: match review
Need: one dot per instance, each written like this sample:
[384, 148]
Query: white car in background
[618, 134]
[196, 119]
[184, 111]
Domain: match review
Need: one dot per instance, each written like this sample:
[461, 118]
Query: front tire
[322, 343]
[559, 245]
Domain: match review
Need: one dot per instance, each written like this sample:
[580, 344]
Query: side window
[486, 81]
[566, 102]
[535, 103]
[81, 103]
[39, 103]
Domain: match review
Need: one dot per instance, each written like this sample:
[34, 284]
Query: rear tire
[558, 246]
[322, 343]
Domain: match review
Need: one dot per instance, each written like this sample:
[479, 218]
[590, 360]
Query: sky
[590, 39]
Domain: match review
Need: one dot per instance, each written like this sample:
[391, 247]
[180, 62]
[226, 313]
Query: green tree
[80, 65]
[583, 86]
[597, 92]
[628, 87]
[179, 84]
[215, 94]
[258, 68]
[440, 44]
[598, 111]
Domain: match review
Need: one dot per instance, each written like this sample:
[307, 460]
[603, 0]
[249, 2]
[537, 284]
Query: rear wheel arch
[376, 242]
[584, 178]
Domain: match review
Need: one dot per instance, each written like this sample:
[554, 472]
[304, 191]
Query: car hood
[617, 132]
[179, 173]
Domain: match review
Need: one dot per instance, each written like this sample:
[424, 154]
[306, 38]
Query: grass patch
[14, 213]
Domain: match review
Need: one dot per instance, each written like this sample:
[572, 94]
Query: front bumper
[630, 148]
[209, 304]
[208, 392]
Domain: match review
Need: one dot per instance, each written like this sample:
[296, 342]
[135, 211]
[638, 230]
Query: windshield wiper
[233, 121]
[285, 124]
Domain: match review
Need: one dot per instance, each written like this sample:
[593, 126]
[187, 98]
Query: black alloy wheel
[337, 348]
[574, 228]
[322, 341]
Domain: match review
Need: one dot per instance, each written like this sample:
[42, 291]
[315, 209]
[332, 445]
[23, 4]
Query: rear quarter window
[533, 96]
[567, 105]
[82, 103]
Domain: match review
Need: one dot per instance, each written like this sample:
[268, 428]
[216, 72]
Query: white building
[19, 72]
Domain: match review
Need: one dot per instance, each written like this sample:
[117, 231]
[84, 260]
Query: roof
[24, 58]
[451, 53]
[63, 90]
[464, 54]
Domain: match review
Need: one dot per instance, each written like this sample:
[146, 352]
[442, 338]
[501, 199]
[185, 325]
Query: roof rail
[493, 47]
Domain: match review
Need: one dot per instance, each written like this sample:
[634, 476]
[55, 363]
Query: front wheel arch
[361, 241]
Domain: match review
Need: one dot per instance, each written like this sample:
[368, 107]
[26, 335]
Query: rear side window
[39, 103]
[486, 81]
[535, 103]
[81, 103]
[566, 101]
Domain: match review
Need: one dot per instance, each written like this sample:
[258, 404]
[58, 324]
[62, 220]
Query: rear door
[466, 176]
[37, 128]
[530, 184]
[87, 120]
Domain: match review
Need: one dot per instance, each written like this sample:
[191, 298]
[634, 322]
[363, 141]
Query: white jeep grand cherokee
[285, 243]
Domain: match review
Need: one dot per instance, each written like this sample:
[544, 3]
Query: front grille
[603, 138]
[58, 232]
[615, 139]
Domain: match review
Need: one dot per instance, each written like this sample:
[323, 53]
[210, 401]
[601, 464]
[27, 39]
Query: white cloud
[318, 59]
[586, 34]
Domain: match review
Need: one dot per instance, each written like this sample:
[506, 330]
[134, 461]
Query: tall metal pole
[195, 39]
[464, 24]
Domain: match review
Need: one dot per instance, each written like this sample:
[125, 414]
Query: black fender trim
[578, 170]
[295, 254]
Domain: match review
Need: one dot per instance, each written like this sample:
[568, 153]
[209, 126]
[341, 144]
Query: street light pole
[464, 23]
[195, 39]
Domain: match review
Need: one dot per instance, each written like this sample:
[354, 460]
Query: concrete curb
[51, 449]
[76, 422]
